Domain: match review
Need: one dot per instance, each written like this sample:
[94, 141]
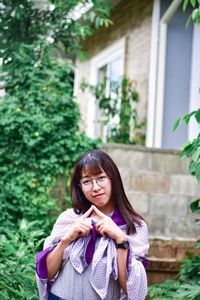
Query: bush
[39, 132]
[17, 262]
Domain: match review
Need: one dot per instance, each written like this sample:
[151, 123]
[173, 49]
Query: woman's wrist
[120, 238]
[64, 242]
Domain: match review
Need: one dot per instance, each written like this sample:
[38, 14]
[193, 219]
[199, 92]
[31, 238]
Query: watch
[123, 245]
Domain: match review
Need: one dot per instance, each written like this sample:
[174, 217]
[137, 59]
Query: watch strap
[123, 245]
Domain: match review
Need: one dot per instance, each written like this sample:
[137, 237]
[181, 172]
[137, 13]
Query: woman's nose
[95, 186]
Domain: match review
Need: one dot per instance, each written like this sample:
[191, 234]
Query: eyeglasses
[87, 184]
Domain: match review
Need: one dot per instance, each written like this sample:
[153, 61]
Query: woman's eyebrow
[86, 176]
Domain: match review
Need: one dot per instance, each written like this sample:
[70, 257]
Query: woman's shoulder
[143, 223]
[141, 226]
[67, 215]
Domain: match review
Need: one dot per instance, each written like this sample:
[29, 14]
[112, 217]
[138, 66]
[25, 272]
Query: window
[109, 65]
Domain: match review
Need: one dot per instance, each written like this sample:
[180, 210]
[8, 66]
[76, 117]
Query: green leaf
[195, 206]
[185, 4]
[193, 2]
[197, 244]
[197, 172]
[196, 155]
[9, 249]
[197, 116]
[176, 124]
[195, 13]
[189, 19]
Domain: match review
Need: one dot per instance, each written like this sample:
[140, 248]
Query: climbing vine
[118, 111]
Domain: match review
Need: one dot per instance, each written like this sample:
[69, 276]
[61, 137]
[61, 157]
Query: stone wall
[159, 187]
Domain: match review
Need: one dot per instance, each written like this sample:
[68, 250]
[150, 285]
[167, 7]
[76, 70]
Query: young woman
[97, 248]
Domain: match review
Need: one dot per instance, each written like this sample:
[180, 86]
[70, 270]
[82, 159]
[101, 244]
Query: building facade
[151, 45]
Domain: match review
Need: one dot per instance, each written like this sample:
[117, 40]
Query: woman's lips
[98, 195]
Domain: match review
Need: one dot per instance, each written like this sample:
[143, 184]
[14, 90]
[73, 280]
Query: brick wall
[132, 20]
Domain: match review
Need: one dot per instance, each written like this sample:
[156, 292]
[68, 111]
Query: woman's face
[97, 189]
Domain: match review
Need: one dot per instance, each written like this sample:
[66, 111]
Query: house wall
[132, 20]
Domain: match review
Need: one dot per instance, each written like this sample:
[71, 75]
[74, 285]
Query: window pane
[115, 73]
[102, 73]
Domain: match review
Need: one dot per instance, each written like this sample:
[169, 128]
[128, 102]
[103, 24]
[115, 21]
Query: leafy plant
[39, 117]
[17, 261]
[195, 15]
[121, 102]
[167, 290]
[39, 132]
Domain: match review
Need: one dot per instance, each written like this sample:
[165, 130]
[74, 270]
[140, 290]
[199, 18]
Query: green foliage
[166, 290]
[39, 126]
[191, 149]
[23, 21]
[189, 276]
[39, 131]
[190, 269]
[174, 290]
[39, 116]
[120, 101]
[17, 261]
[195, 15]
[189, 290]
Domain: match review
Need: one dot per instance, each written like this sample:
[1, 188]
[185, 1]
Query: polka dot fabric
[104, 263]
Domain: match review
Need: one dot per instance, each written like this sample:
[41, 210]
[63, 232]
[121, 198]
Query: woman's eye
[86, 182]
[102, 178]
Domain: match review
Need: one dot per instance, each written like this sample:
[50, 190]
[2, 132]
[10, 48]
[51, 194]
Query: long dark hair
[93, 162]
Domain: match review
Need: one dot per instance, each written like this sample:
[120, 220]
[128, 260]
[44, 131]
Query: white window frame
[103, 58]
[153, 74]
[193, 127]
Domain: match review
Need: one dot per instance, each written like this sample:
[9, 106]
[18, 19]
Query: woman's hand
[107, 227]
[80, 228]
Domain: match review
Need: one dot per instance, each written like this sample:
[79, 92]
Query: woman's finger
[88, 212]
[102, 231]
[98, 212]
[84, 230]
[99, 223]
